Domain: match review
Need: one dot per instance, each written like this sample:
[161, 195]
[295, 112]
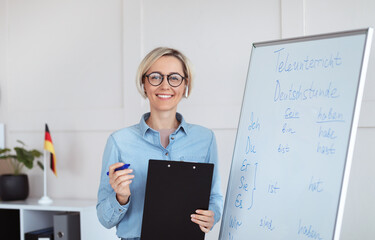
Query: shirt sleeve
[109, 211]
[216, 198]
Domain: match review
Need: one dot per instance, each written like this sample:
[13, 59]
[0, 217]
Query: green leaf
[21, 158]
[22, 143]
[25, 157]
[36, 153]
[40, 164]
[5, 150]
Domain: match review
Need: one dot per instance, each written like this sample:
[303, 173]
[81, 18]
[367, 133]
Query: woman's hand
[120, 181]
[204, 218]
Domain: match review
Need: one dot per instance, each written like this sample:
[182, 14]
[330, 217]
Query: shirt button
[172, 138]
[120, 210]
[166, 154]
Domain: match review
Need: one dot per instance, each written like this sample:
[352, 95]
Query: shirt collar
[144, 127]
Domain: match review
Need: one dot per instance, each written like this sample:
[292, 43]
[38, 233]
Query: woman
[164, 77]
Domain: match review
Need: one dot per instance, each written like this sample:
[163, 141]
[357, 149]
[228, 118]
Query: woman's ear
[144, 90]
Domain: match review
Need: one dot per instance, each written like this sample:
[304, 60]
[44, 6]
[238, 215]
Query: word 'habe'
[330, 116]
[327, 133]
[300, 93]
[308, 231]
[284, 64]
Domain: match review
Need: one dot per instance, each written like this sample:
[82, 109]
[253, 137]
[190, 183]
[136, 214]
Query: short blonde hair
[153, 56]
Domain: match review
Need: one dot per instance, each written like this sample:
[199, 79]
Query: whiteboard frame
[357, 107]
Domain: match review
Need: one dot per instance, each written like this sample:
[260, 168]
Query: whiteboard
[295, 138]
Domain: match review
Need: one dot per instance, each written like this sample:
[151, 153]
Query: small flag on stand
[48, 145]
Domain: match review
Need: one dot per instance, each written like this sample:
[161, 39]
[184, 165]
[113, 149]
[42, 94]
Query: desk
[33, 216]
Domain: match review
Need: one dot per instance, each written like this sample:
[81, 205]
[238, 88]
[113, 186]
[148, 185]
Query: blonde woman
[164, 77]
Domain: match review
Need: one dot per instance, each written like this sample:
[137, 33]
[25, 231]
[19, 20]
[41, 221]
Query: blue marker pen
[125, 166]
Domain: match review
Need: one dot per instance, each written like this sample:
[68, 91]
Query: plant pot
[14, 187]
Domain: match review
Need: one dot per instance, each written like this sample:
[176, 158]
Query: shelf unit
[33, 216]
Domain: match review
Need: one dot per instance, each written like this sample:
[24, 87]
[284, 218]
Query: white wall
[62, 66]
[72, 64]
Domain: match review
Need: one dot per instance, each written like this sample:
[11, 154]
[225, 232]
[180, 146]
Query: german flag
[48, 146]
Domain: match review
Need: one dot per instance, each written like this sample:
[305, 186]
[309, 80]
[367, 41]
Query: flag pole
[45, 199]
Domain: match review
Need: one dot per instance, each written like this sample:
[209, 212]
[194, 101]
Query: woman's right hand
[120, 181]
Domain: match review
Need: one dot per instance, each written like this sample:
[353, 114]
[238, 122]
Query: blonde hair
[153, 56]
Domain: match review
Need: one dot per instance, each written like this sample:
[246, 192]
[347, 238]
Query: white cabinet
[33, 216]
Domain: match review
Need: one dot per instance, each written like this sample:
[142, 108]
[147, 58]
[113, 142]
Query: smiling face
[164, 97]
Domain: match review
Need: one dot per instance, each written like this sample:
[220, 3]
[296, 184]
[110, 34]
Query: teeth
[165, 96]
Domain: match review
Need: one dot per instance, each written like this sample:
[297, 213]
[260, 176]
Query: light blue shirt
[136, 145]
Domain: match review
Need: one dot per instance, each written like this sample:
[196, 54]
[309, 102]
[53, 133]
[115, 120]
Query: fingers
[121, 179]
[207, 213]
[204, 218]
[120, 174]
[113, 167]
[203, 229]
[114, 175]
[202, 224]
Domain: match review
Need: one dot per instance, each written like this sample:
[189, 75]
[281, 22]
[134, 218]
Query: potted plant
[16, 186]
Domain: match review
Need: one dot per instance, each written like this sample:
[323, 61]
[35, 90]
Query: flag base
[45, 200]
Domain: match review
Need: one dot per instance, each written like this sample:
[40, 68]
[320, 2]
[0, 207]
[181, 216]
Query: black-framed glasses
[156, 78]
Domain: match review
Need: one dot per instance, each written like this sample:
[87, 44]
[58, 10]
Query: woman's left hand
[204, 218]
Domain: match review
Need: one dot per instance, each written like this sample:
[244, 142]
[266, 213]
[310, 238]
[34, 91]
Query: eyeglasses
[155, 79]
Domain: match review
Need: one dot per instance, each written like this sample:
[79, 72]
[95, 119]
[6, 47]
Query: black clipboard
[174, 190]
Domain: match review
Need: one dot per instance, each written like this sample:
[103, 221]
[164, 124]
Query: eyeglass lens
[156, 79]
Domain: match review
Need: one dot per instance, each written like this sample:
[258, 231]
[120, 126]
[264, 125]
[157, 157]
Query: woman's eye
[174, 77]
[155, 77]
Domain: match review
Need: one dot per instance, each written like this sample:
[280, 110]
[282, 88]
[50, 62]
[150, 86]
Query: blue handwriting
[231, 237]
[254, 188]
[283, 149]
[243, 185]
[238, 202]
[244, 165]
[327, 133]
[290, 114]
[330, 116]
[249, 147]
[253, 125]
[272, 188]
[315, 186]
[308, 231]
[234, 223]
[287, 129]
[266, 223]
[283, 64]
[299, 94]
[326, 150]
